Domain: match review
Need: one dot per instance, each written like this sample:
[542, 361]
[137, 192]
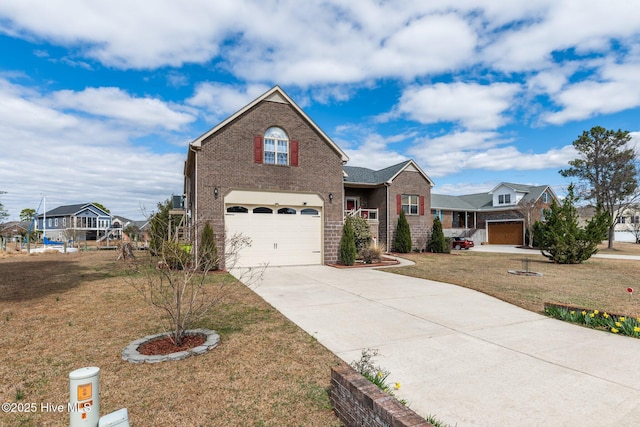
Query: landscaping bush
[208, 249]
[372, 253]
[175, 256]
[563, 240]
[402, 241]
[347, 244]
[438, 243]
[361, 233]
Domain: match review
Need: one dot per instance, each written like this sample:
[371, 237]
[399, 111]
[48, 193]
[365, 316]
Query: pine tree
[438, 243]
[347, 244]
[563, 241]
[402, 242]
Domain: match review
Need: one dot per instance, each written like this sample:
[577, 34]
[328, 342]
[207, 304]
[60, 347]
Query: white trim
[275, 198]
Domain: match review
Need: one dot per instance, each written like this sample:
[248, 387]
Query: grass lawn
[596, 284]
[61, 312]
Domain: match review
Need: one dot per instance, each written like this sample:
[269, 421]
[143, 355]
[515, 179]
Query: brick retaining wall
[359, 402]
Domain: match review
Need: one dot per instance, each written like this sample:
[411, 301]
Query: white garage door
[279, 235]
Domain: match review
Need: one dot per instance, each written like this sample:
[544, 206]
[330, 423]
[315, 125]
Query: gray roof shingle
[360, 175]
[484, 201]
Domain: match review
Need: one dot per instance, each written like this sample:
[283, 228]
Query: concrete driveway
[467, 358]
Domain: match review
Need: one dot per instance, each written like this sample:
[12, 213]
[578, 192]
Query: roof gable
[360, 175]
[275, 94]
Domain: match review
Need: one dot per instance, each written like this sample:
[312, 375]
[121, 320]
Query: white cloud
[472, 105]
[221, 100]
[128, 34]
[510, 158]
[588, 26]
[374, 151]
[451, 153]
[114, 103]
[617, 90]
[74, 158]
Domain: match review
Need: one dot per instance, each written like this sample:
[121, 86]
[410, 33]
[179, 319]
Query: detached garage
[284, 228]
[505, 233]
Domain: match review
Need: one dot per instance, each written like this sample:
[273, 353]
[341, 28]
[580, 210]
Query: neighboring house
[139, 230]
[268, 172]
[496, 217]
[118, 224]
[627, 227]
[78, 222]
[14, 230]
[380, 196]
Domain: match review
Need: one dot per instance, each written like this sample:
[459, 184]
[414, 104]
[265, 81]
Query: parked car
[461, 243]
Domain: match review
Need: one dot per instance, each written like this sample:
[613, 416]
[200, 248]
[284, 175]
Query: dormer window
[504, 199]
[546, 198]
[276, 147]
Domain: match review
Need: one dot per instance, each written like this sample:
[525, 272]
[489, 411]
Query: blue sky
[99, 100]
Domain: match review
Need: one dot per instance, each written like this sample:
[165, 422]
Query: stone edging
[131, 354]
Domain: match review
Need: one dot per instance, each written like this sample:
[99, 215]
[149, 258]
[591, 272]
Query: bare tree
[72, 234]
[174, 280]
[529, 211]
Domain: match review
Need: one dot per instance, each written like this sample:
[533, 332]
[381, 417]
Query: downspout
[388, 216]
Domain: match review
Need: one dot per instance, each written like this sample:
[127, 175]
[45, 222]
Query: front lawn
[61, 312]
[596, 284]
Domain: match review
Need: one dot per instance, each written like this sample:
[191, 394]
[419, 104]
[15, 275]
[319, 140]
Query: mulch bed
[384, 262]
[165, 345]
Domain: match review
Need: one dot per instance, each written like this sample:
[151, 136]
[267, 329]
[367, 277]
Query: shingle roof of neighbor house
[360, 175]
[70, 209]
[484, 201]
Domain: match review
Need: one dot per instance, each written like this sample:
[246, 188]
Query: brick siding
[226, 162]
[359, 403]
[409, 182]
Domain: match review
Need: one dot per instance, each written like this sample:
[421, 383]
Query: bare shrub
[174, 279]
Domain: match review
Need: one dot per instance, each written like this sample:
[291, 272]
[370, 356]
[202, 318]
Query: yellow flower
[618, 324]
[596, 311]
[636, 329]
[622, 319]
[379, 374]
[397, 385]
[605, 315]
[591, 314]
[614, 330]
[638, 319]
[572, 312]
[584, 312]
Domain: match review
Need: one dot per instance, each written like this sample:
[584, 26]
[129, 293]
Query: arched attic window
[274, 148]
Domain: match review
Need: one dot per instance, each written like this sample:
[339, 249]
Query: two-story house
[269, 173]
[496, 217]
[78, 222]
